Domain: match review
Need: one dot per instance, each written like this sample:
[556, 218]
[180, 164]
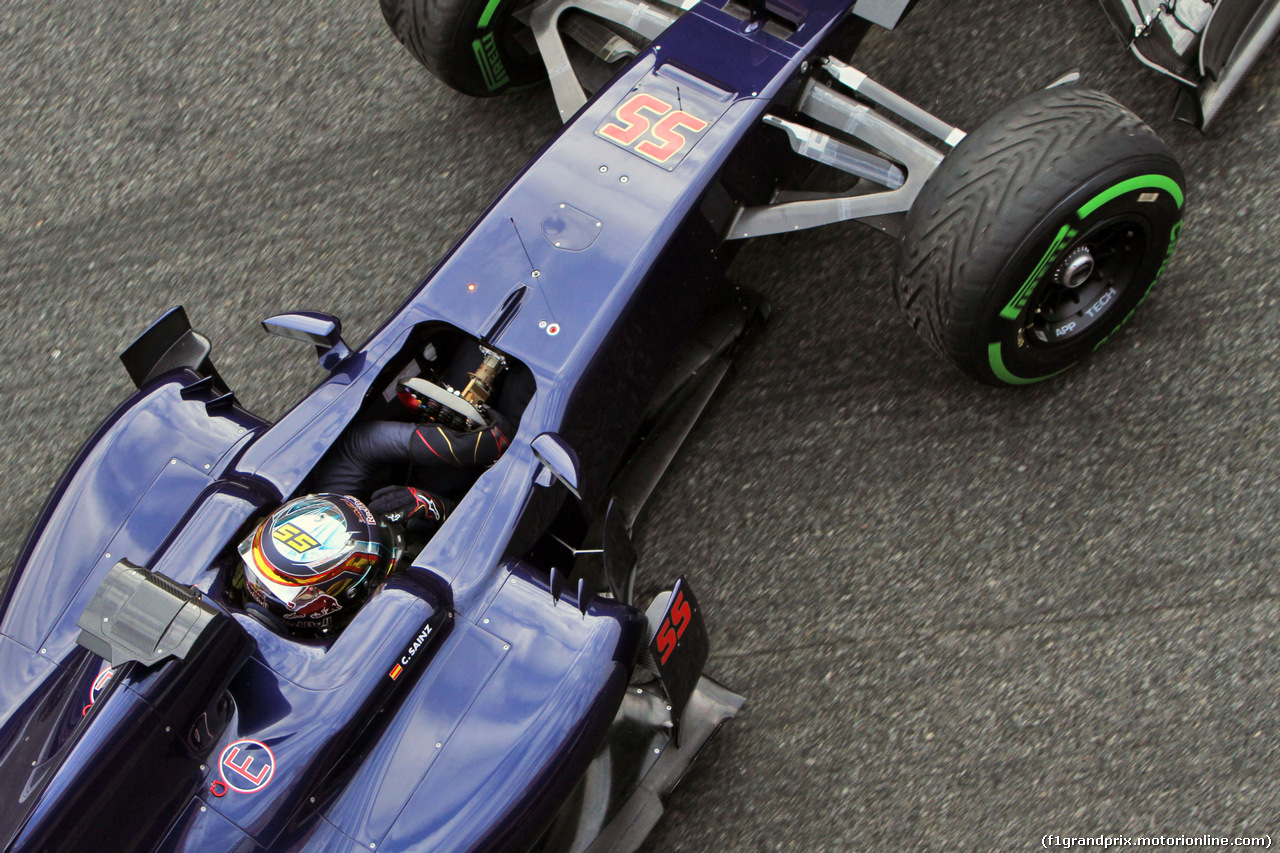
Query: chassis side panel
[487, 766]
[120, 498]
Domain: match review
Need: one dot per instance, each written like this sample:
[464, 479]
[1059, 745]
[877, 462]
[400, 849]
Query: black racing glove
[405, 504]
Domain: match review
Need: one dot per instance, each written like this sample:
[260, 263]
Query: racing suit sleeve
[367, 448]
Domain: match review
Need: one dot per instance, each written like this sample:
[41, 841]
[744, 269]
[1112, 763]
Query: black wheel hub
[1088, 282]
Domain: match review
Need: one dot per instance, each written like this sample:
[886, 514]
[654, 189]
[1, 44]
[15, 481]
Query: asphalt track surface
[964, 617]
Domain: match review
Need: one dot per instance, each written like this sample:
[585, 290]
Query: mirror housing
[324, 331]
[558, 462]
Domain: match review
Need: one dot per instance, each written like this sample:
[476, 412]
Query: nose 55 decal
[662, 119]
[652, 128]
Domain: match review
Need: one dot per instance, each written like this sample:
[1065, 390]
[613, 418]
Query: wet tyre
[1038, 235]
[473, 46]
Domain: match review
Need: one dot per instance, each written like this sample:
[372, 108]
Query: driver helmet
[313, 562]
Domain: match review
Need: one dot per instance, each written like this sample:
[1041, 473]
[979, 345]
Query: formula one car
[223, 635]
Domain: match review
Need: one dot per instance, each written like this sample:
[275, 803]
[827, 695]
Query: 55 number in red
[673, 627]
[651, 127]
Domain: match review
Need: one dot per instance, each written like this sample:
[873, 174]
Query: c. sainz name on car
[414, 647]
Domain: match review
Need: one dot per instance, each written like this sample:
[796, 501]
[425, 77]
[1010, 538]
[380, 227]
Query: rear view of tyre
[474, 46]
[1038, 235]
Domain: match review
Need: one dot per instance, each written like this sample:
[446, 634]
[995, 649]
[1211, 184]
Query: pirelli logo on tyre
[663, 118]
[490, 62]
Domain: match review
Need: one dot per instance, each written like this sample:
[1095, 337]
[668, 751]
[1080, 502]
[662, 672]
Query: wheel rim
[1088, 281]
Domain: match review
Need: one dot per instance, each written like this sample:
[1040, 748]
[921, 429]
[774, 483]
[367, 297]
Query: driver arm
[367, 448]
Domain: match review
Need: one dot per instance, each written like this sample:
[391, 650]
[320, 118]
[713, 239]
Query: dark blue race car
[404, 617]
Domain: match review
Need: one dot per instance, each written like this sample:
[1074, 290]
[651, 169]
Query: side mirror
[312, 327]
[558, 461]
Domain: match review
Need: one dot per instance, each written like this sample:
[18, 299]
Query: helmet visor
[307, 545]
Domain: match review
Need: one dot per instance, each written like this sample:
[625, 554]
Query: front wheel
[1038, 235]
[476, 47]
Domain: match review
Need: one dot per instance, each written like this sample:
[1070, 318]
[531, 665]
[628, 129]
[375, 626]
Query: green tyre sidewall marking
[489, 61]
[1143, 182]
[1014, 310]
[482, 52]
[997, 367]
[485, 48]
[487, 15]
